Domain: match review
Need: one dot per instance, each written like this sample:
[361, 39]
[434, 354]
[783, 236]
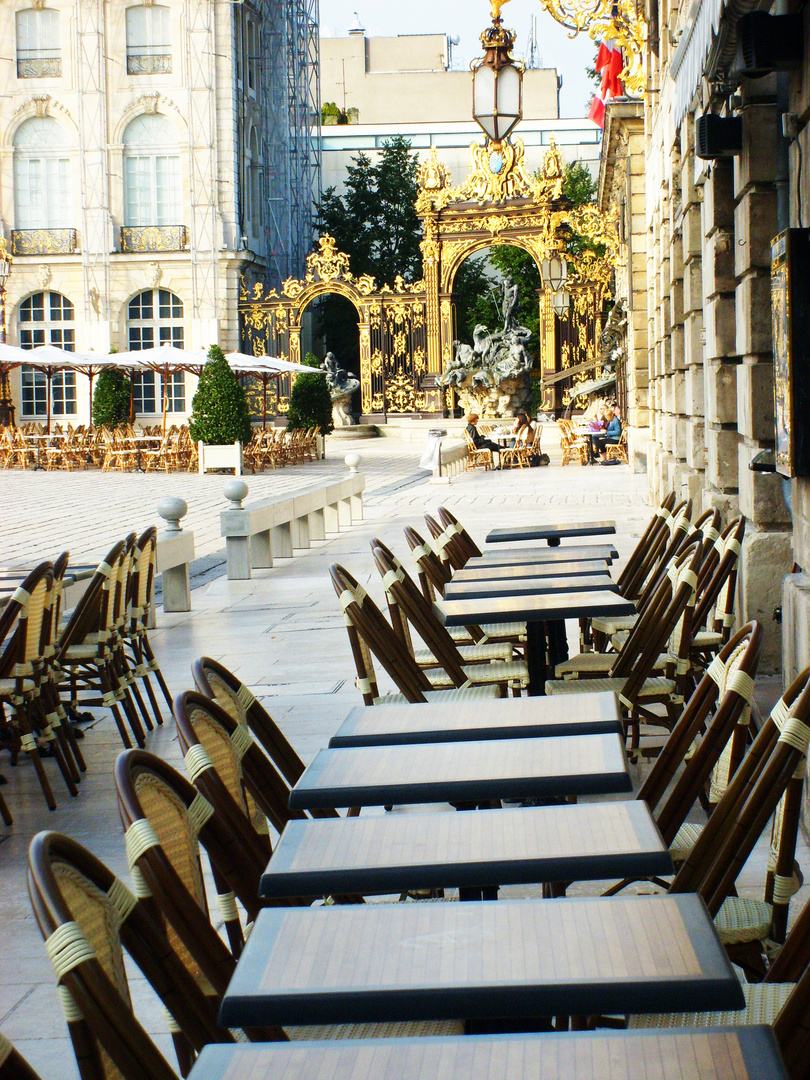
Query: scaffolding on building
[291, 82]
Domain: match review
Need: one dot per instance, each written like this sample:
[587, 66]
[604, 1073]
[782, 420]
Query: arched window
[42, 175]
[151, 172]
[155, 317]
[39, 53]
[46, 318]
[149, 44]
[253, 201]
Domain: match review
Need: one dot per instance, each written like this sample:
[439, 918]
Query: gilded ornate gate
[407, 332]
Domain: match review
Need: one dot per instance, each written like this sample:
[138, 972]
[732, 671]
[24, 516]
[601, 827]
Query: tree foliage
[310, 400]
[219, 410]
[112, 399]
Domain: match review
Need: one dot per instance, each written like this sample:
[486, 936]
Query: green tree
[579, 185]
[310, 400]
[112, 398]
[219, 410]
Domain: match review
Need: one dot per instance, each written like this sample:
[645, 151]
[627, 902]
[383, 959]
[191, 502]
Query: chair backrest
[727, 688]
[94, 611]
[407, 605]
[719, 592]
[254, 786]
[667, 545]
[87, 917]
[376, 634]
[26, 623]
[13, 1065]
[738, 820]
[217, 683]
[448, 546]
[655, 528]
[433, 573]
[453, 526]
[142, 579]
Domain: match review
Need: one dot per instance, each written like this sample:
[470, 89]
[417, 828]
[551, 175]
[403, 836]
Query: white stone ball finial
[171, 509]
[352, 460]
[235, 491]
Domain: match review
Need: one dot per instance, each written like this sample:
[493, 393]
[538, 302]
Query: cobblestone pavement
[281, 633]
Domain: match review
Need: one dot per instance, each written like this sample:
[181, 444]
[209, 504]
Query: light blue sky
[466, 19]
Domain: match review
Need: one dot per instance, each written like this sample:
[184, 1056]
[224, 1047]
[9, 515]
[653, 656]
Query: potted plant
[220, 420]
[112, 399]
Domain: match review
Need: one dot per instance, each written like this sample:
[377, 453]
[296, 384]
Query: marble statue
[342, 384]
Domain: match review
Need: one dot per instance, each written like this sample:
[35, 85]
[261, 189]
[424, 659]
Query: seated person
[523, 429]
[599, 422]
[478, 440]
[612, 435]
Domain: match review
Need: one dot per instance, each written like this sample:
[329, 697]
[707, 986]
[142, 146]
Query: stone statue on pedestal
[342, 384]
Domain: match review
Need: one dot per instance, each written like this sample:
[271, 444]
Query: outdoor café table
[536, 610]
[510, 556]
[461, 590]
[463, 772]
[394, 853]
[502, 718]
[741, 1053]
[140, 441]
[575, 568]
[342, 964]
[552, 534]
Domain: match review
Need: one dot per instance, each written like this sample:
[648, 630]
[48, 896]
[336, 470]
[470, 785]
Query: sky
[466, 19]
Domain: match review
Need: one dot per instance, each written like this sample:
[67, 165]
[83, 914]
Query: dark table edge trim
[404, 738]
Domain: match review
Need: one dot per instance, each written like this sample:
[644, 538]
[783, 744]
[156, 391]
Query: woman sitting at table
[478, 440]
[523, 429]
[597, 426]
[612, 436]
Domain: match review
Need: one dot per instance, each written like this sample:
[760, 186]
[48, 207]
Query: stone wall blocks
[754, 228]
[696, 455]
[722, 465]
[761, 498]
[721, 328]
[718, 198]
[757, 162]
[795, 626]
[694, 388]
[753, 332]
[718, 263]
[766, 559]
[755, 404]
[721, 393]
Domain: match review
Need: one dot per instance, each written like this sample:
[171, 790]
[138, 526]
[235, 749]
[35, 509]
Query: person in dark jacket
[478, 440]
[612, 435]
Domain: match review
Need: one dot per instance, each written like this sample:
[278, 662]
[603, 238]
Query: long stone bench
[454, 454]
[259, 532]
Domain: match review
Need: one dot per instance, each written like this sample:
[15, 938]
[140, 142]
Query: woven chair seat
[742, 919]
[516, 671]
[707, 639]
[612, 626]
[588, 663]
[467, 693]
[9, 687]
[763, 1002]
[473, 654]
[685, 839]
[410, 1028]
[516, 630]
[79, 652]
[653, 688]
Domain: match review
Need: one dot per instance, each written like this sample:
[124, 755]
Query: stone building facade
[141, 173]
[707, 232]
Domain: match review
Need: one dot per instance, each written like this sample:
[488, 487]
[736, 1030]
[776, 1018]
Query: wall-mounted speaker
[769, 43]
[718, 136]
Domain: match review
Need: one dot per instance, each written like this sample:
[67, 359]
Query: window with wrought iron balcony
[43, 191]
[152, 187]
[148, 40]
[39, 54]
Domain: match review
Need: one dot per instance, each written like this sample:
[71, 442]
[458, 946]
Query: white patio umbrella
[265, 368]
[50, 359]
[165, 359]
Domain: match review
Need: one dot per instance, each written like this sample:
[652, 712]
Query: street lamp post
[6, 406]
[497, 83]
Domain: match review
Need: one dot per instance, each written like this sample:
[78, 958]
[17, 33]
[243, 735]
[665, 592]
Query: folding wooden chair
[478, 665]
[88, 917]
[370, 633]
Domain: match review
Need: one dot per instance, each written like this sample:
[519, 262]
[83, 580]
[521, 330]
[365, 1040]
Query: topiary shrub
[219, 410]
[112, 399]
[310, 400]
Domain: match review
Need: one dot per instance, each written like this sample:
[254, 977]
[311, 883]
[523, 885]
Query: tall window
[252, 58]
[155, 317]
[152, 172]
[46, 318]
[148, 40]
[39, 55]
[42, 175]
[253, 186]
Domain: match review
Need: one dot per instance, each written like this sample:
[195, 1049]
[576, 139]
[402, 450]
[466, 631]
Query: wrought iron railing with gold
[44, 241]
[135, 238]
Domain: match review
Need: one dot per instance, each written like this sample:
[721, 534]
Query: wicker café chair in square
[618, 451]
[13, 1065]
[24, 637]
[370, 633]
[574, 445]
[478, 457]
[478, 665]
[216, 683]
[166, 824]
[85, 653]
[714, 614]
[135, 633]
[88, 918]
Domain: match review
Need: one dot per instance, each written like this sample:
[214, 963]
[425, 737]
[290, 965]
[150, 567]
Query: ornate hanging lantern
[497, 82]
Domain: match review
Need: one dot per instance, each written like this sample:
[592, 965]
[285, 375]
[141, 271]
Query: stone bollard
[352, 460]
[175, 552]
[238, 548]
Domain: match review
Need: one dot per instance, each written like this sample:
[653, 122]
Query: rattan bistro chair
[448, 665]
[136, 629]
[88, 917]
[371, 634]
[13, 1065]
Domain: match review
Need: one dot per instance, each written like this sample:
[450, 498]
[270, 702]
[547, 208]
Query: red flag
[597, 109]
[610, 62]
